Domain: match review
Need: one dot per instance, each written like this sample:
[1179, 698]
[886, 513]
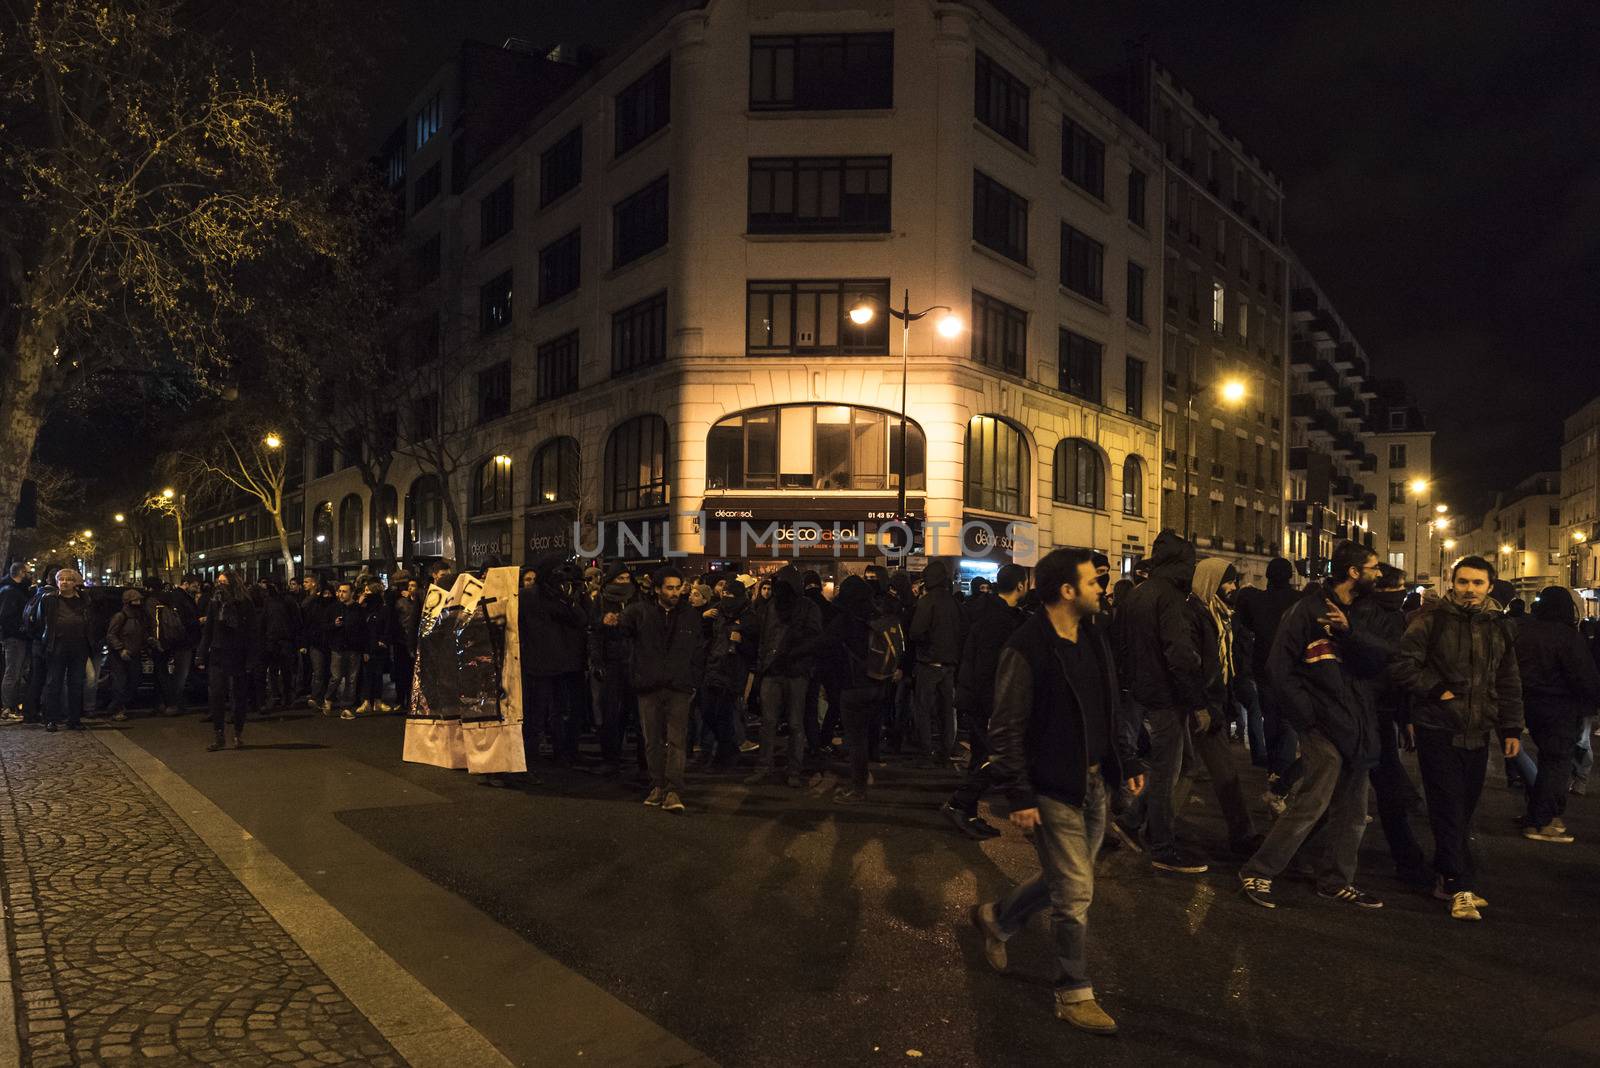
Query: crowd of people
[1086, 710]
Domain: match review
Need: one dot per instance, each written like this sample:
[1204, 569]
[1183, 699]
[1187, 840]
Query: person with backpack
[855, 653]
[724, 679]
[38, 662]
[15, 592]
[175, 626]
[224, 655]
[786, 632]
[936, 635]
[1560, 684]
[127, 637]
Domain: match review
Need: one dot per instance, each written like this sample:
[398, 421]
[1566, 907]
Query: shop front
[548, 532]
[488, 543]
[987, 543]
[834, 536]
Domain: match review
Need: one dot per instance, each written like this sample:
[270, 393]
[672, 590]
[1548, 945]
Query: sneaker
[1179, 862]
[1550, 832]
[217, 743]
[385, 707]
[994, 947]
[347, 714]
[1559, 824]
[1257, 890]
[1464, 907]
[1274, 802]
[846, 795]
[363, 708]
[327, 708]
[119, 716]
[1086, 1016]
[50, 726]
[672, 802]
[1350, 895]
[1441, 894]
[655, 798]
[313, 703]
[747, 746]
[968, 824]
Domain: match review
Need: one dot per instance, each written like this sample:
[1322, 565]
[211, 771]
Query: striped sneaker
[1350, 895]
[1257, 890]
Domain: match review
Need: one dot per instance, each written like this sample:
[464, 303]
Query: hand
[1135, 785]
[365, 657]
[898, 675]
[609, 619]
[1025, 819]
[1334, 618]
[1447, 696]
[1202, 721]
[735, 637]
[126, 655]
[1513, 746]
[1408, 740]
[709, 613]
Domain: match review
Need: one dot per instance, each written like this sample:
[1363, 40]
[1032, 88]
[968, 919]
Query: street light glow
[502, 460]
[861, 314]
[88, 533]
[272, 441]
[1508, 550]
[1449, 543]
[950, 326]
[1233, 391]
[1419, 486]
[168, 493]
[1441, 508]
[1578, 535]
[120, 518]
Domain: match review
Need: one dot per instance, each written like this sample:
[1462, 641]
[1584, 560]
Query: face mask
[1391, 600]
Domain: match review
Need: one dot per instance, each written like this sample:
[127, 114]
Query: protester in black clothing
[224, 653]
[407, 617]
[936, 635]
[348, 649]
[724, 678]
[1560, 686]
[995, 616]
[785, 633]
[666, 635]
[553, 629]
[1060, 747]
[126, 639]
[278, 625]
[844, 660]
[1260, 612]
[610, 656]
[15, 592]
[902, 601]
[316, 622]
[65, 626]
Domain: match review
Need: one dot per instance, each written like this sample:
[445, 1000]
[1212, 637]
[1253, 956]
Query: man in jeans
[175, 659]
[348, 650]
[936, 637]
[1059, 747]
[786, 630]
[667, 650]
[15, 593]
[1317, 663]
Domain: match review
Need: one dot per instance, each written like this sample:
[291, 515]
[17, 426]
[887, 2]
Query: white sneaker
[347, 714]
[363, 708]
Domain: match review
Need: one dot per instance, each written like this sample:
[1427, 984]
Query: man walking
[1559, 685]
[1059, 749]
[1315, 664]
[667, 650]
[1459, 663]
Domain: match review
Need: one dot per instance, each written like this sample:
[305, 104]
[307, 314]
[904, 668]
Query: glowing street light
[1441, 508]
[1449, 543]
[861, 314]
[1507, 549]
[120, 518]
[88, 533]
[169, 493]
[950, 326]
[1579, 536]
[272, 441]
[1419, 486]
[1232, 391]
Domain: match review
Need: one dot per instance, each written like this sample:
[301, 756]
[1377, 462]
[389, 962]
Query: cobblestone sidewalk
[132, 943]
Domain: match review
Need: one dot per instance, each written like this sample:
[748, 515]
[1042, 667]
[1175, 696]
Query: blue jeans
[1171, 752]
[16, 654]
[783, 695]
[1067, 840]
[345, 678]
[65, 670]
[1583, 755]
[1255, 729]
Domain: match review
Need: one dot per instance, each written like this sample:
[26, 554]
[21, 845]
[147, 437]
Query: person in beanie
[224, 654]
[1560, 684]
[667, 645]
[610, 654]
[1060, 748]
[126, 638]
[844, 664]
[785, 631]
[1458, 661]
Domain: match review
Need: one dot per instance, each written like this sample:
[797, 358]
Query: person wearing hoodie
[901, 601]
[1317, 663]
[126, 638]
[316, 629]
[225, 650]
[1260, 612]
[1166, 689]
[785, 633]
[1458, 662]
[936, 634]
[820, 731]
[724, 678]
[1560, 684]
[667, 642]
[844, 661]
[15, 592]
[610, 655]
[552, 630]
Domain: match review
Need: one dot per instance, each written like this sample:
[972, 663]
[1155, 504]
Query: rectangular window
[1083, 159]
[1080, 366]
[424, 418]
[1082, 263]
[1397, 492]
[1397, 456]
[1134, 387]
[495, 213]
[322, 462]
[644, 107]
[556, 364]
[639, 223]
[494, 392]
[428, 121]
[999, 218]
[822, 72]
[429, 260]
[1219, 308]
[784, 318]
[1244, 323]
[1136, 196]
[1397, 528]
[1135, 292]
[999, 334]
[494, 304]
[1397, 419]
[425, 188]
[828, 194]
[639, 335]
[1001, 101]
[559, 267]
[561, 167]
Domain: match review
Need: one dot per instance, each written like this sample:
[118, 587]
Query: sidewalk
[131, 942]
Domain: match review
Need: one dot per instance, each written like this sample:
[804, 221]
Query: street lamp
[1418, 487]
[1444, 546]
[949, 326]
[272, 441]
[169, 493]
[1232, 392]
[120, 518]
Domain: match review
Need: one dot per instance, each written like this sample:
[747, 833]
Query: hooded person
[724, 678]
[610, 659]
[1259, 612]
[1166, 688]
[1560, 686]
[785, 632]
[126, 638]
[551, 628]
[936, 635]
[844, 662]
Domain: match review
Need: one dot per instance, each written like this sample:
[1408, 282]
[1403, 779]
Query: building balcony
[1345, 355]
[1338, 486]
[1302, 354]
[1299, 455]
[1301, 407]
[1324, 424]
[1299, 514]
[1303, 301]
[1345, 400]
[1324, 327]
[1368, 463]
[1369, 503]
[1340, 530]
[1324, 372]
[1369, 539]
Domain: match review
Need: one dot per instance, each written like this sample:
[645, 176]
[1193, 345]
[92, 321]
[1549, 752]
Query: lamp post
[949, 325]
[1232, 392]
[1445, 545]
[1580, 549]
[1510, 551]
[1417, 486]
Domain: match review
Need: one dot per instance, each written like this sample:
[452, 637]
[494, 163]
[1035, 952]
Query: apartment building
[1411, 520]
[1580, 501]
[1522, 535]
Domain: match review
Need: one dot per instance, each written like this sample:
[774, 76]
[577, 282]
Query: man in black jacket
[667, 653]
[1166, 689]
[552, 630]
[1060, 747]
[1559, 686]
[15, 592]
[786, 630]
[995, 617]
[936, 636]
[1260, 612]
[1317, 661]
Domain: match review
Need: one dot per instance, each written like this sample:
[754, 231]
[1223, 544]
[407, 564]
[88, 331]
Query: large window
[999, 218]
[425, 518]
[1082, 263]
[1135, 293]
[999, 334]
[350, 529]
[494, 304]
[639, 223]
[996, 466]
[644, 107]
[428, 121]
[556, 370]
[1079, 370]
[491, 486]
[496, 213]
[819, 194]
[1136, 196]
[559, 267]
[639, 335]
[1001, 101]
[561, 167]
[1080, 474]
[791, 318]
[636, 465]
[494, 392]
[1133, 387]
[1083, 159]
[1132, 485]
[385, 517]
[813, 446]
[822, 71]
[322, 535]
[1397, 456]
[555, 472]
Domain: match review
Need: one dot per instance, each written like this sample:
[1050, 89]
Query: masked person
[1560, 684]
[126, 638]
[1211, 615]
[1380, 618]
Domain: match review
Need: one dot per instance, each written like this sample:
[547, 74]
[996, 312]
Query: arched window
[813, 446]
[996, 466]
[636, 465]
[424, 518]
[555, 472]
[322, 535]
[1080, 474]
[385, 514]
[1132, 485]
[350, 529]
[491, 486]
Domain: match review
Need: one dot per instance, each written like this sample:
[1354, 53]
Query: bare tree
[251, 457]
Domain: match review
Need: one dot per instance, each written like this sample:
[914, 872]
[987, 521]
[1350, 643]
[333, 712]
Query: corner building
[655, 274]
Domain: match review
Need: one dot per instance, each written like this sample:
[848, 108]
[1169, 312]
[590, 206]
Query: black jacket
[179, 601]
[611, 648]
[993, 623]
[407, 618]
[1156, 634]
[231, 626]
[1381, 629]
[1207, 643]
[725, 667]
[14, 597]
[67, 621]
[936, 620]
[668, 650]
[1318, 678]
[552, 630]
[316, 622]
[346, 629]
[1472, 655]
[842, 662]
[1036, 732]
[1260, 611]
[786, 629]
[279, 620]
[129, 631]
[1559, 680]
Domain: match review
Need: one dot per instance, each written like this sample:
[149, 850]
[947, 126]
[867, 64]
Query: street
[569, 924]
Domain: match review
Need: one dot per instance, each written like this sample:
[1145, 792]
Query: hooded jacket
[551, 627]
[842, 659]
[1318, 676]
[725, 665]
[786, 629]
[129, 629]
[1469, 653]
[993, 623]
[1260, 612]
[1156, 633]
[936, 620]
[1213, 636]
[611, 648]
[14, 598]
[1560, 684]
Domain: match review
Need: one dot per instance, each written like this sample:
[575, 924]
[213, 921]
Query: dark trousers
[1452, 781]
[279, 662]
[121, 679]
[1280, 738]
[1395, 793]
[1213, 750]
[1555, 736]
[936, 707]
[403, 671]
[618, 708]
[33, 710]
[664, 723]
[63, 682]
[227, 683]
[1170, 750]
[718, 706]
[553, 707]
[861, 708]
[980, 773]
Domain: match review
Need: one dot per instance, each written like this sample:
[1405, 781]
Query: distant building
[1580, 501]
[1522, 535]
[1407, 529]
